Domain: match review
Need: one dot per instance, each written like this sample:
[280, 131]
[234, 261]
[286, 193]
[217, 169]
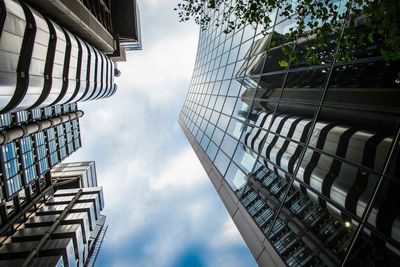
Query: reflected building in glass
[304, 158]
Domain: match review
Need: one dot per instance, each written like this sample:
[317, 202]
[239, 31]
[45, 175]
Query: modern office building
[43, 64]
[53, 54]
[60, 52]
[67, 229]
[127, 24]
[111, 26]
[66, 179]
[304, 158]
[49, 61]
[83, 173]
[31, 143]
[62, 226]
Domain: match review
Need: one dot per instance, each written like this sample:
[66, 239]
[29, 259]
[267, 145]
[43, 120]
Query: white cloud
[160, 69]
[182, 171]
[228, 236]
[157, 195]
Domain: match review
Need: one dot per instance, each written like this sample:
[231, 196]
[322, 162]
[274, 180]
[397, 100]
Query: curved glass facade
[310, 152]
[43, 64]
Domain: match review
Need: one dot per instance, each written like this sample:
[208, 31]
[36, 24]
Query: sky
[161, 208]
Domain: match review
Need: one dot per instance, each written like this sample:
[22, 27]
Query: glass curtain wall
[310, 151]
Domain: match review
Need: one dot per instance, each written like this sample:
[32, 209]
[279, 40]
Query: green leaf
[371, 37]
[283, 64]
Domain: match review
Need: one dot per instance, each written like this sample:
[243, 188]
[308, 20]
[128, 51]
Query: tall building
[64, 227]
[126, 23]
[53, 54]
[83, 173]
[304, 158]
[111, 26]
[43, 64]
[30, 144]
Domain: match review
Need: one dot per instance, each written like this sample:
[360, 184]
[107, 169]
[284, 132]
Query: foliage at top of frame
[355, 26]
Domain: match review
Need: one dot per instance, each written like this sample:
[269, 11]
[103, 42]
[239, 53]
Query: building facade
[31, 143]
[43, 64]
[67, 230]
[62, 226]
[83, 173]
[127, 24]
[53, 54]
[304, 158]
[47, 65]
[111, 26]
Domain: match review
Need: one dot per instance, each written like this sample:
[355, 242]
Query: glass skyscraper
[305, 158]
